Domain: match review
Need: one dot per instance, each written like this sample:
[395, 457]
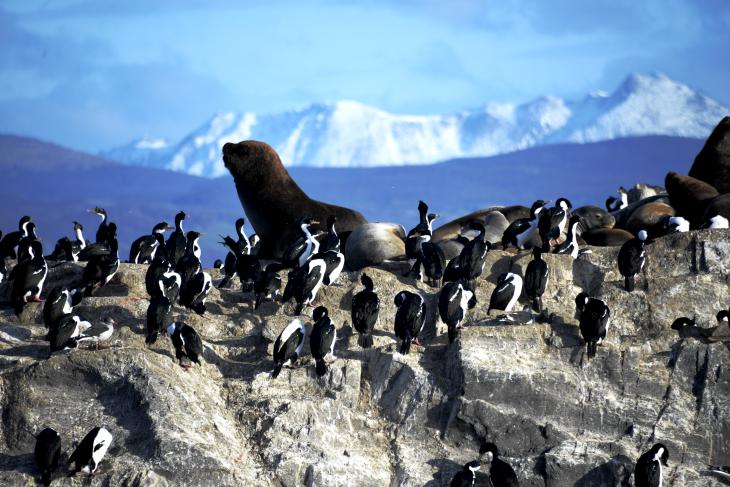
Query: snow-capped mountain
[350, 134]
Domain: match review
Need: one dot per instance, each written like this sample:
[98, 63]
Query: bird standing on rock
[102, 267]
[145, 248]
[187, 343]
[304, 283]
[301, 249]
[467, 475]
[331, 241]
[631, 259]
[91, 451]
[552, 223]
[537, 276]
[242, 247]
[288, 346]
[507, 292]
[29, 276]
[47, 452]
[102, 232]
[322, 340]
[501, 473]
[409, 319]
[421, 232]
[454, 299]
[365, 310]
[177, 242]
[594, 319]
[267, 284]
[520, 231]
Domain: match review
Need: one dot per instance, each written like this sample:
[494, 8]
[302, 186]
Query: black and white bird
[288, 346]
[720, 473]
[187, 343]
[335, 262]
[304, 282]
[594, 320]
[506, 293]
[520, 231]
[10, 241]
[194, 292]
[29, 276]
[330, 241]
[255, 241]
[688, 328]
[162, 268]
[322, 340]
[189, 264]
[467, 475]
[60, 302]
[501, 473]
[552, 222]
[145, 248]
[159, 316]
[98, 332]
[91, 451]
[537, 276]
[675, 224]
[101, 268]
[648, 471]
[26, 241]
[364, 311]
[268, 284]
[102, 232]
[242, 246]
[98, 249]
[177, 242]
[615, 204]
[431, 263]
[47, 452]
[570, 246]
[301, 249]
[716, 222]
[67, 249]
[218, 264]
[247, 265]
[454, 299]
[65, 332]
[421, 232]
[723, 317]
[474, 253]
[631, 259]
[409, 319]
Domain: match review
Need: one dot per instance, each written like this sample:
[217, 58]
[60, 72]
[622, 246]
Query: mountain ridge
[350, 134]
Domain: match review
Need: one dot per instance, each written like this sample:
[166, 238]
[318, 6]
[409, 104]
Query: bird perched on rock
[723, 317]
[102, 267]
[520, 231]
[99, 332]
[331, 241]
[430, 263]
[335, 262]
[102, 232]
[145, 248]
[687, 328]
[570, 246]
[421, 232]
[247, 266]
[454, 299]
[536, 280]
[467, 475]
[594, 319]
[242, 246]
[506, 292]
[288, 346]
[99, 249]
[64, 334]
[267, 284]
[10, 241]
[501, 473]
[159, 313]
[409, 319]
[615, 204]
[631, 259]
[304, 282]
[648, 471]
[47, 452]
[60, 301]
[187, 343]
[322, 340]
[365, 310]
[67, 249]
[473, 255]
[29, 276]
[91, 451]
[162, 268]
[177, 242]
[301, 249]
[552, 223]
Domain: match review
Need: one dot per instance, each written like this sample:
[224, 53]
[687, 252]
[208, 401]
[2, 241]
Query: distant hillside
[55, 185]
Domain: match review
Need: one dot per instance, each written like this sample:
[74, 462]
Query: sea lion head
[594, 217]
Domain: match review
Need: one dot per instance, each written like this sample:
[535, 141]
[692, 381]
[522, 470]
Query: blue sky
[93, 74]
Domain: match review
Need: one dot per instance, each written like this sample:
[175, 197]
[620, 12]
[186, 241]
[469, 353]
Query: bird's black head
[23, 221]
[319, 313]
[78, 226]
[240, 224]
[367, 282]
[563, 203]
[331, 220]
[660, 450]
[680, 323]
[217, 264]
[612, 203]
[489, 450]
[161, 227]
[400, 298]
[537, 252]
[723, 316]
[422, 208]
[580, 301]
[99, 211]
[478, 226]
[431, 217]
[180, 217]
[537, 207]
[192, 235]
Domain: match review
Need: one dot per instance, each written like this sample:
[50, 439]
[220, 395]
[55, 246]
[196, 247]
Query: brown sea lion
[606, 237]
[712, 164]
[689, 196]
[649, 217]
[453, 228]
[373, 243]
[273, 202]
[594, 217]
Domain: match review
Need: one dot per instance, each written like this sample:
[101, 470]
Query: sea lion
[622, 216]
[712, 164]
[374, 243]
[650, 217]
[606, 237]
[273, 202]
[689, 196]
[594, 217]
[509, 214]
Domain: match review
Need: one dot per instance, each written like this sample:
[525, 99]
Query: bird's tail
[321, 367]
[453, 332]
[275, 372]
[537, 305]
[365, 340]
[629, 283]
[259, 298]
[405, 346]
[298, 309]
[591, 349]
[151, 338]
[199, 308]
[224, 282]
[46, 477]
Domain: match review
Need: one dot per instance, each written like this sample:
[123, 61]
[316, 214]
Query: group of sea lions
[274, 203]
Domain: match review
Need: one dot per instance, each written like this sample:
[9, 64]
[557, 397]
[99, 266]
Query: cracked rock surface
[379, 418]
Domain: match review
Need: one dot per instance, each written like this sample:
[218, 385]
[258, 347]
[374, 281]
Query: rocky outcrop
[380, 418]
[712, 164]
